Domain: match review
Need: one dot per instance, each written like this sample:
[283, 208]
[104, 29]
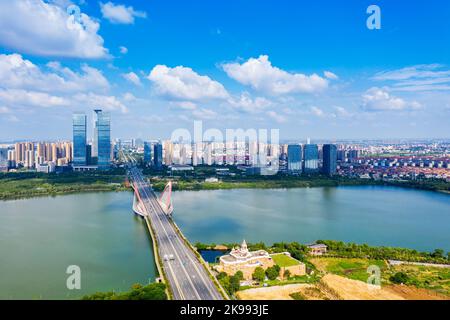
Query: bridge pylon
[165, 199]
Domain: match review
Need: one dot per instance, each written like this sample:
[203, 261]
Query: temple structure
[240, 258]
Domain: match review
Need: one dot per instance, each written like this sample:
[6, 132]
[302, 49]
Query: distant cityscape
[403, 160]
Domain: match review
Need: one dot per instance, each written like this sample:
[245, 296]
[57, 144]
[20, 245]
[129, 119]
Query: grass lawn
[355, 269]
[283, 260]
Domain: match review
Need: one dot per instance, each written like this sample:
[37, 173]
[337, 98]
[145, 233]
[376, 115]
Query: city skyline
[317, 72]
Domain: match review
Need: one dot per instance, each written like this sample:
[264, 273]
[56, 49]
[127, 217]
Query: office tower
[311, 156]
[294, 158]
[329, 159]
[89, 155]
[3, 159]
[157, 155]
[353, 154]
[79, 139]
[341, 155]
[102, 139]
[147, 152]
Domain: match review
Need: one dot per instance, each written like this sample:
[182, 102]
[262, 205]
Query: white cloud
[185, 84]
[110, 103]
[120, 14]
[123, 50]
[342, 112]
[317, 111]
[248, 104]
[40, 28]
[31, 98]
[261, 75]
[205, 114]
[330, 75]
[276, 116]
[19, 73]
[132, 77]
[376, 99]
[424, 77]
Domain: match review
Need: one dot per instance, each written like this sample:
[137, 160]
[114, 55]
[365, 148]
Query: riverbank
[30, 184]
[286, 182]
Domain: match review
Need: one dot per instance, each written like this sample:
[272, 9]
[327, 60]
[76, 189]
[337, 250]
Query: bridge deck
[187, 277]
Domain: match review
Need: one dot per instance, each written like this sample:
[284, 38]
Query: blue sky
[309, 68]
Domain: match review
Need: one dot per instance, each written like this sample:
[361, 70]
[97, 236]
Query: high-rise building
[294, 158]
[353, 154]
[168, 152]
[311, 156]
[147, 152]
[329, 159]
[157, 155]
[79, 139]
[102, 139]
[3, 159]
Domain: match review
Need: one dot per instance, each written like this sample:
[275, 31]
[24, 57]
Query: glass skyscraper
[311, 157]
[294, 158]
[79, 139]
[157, 155]
[329, 159]
[147, 152]
[102, 139]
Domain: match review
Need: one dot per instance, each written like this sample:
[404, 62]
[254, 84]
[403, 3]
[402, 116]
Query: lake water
[375, 215]
[41, 237]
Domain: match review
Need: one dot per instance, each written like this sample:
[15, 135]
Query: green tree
[286, 274]
[273, 272]
[399, 277]
[240, 275]
[438, 253]
[234, 284]
[221, 275]
[259, 274]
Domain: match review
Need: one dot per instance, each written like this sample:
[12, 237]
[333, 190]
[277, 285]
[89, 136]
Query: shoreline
[235, 185]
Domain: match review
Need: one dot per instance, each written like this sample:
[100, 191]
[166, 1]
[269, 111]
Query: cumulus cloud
[248, 104]
[183, 83]
[31, 98]
[24, 84]
[106, 102]
[120, 14]
[40, 28]
[377, 99]
[132, 77]
[261, 75]
[19, 73]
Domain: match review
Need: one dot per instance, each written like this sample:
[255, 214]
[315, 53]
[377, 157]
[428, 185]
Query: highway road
[187, 277]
